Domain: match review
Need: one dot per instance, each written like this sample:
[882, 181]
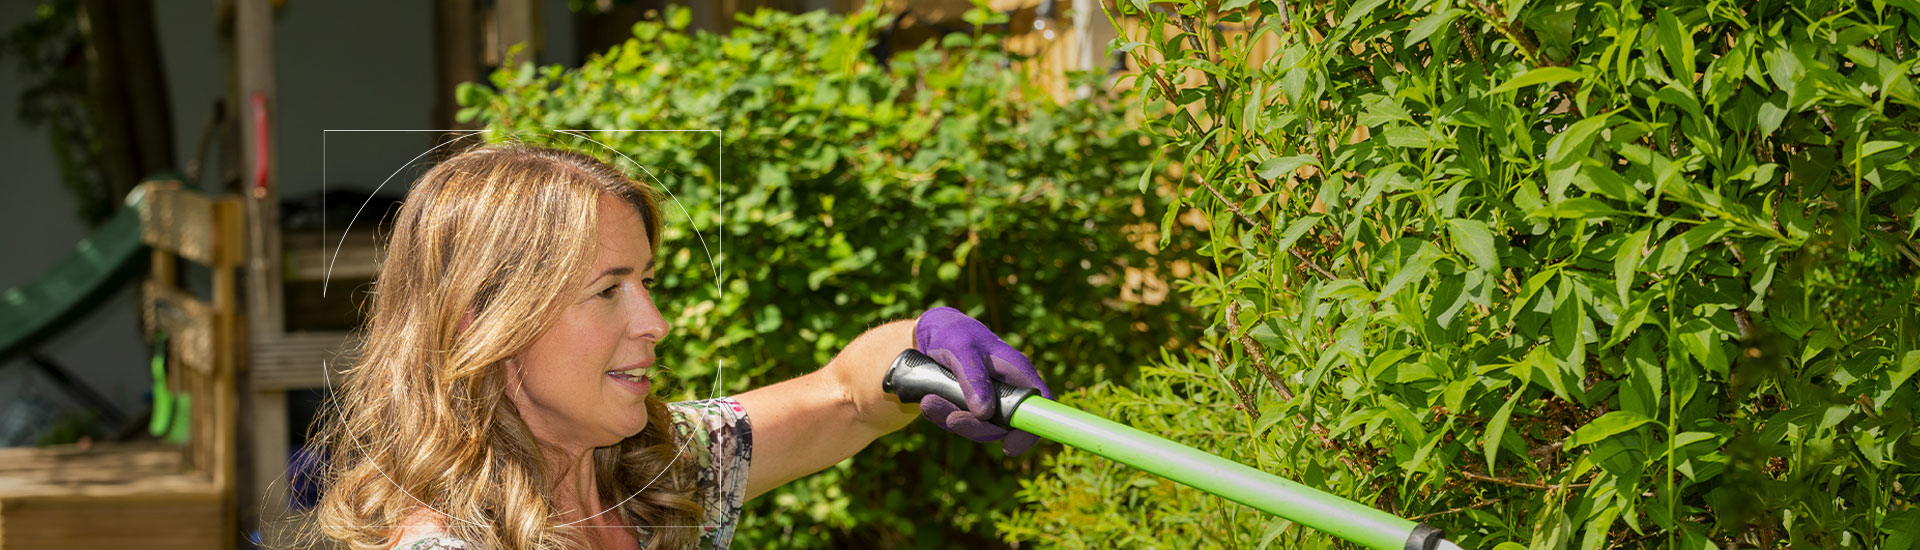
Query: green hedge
[857, 193]
[1544, 274]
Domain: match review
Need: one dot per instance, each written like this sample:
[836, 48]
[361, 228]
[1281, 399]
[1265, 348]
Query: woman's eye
[608, 293]
[647, 282]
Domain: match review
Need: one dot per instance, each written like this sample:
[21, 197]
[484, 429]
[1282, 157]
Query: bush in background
[1543, 274]
[858, 192]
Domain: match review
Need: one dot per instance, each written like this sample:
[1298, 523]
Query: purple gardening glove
[977, 357]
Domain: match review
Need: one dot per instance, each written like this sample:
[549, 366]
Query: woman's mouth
[634, 380]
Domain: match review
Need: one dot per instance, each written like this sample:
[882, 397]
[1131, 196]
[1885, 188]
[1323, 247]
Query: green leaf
[769, 319]
[1296, 229]
[1576, 140]
[961, 251]
[1677, 44]
[1421, 30]
[1771, 112]
[1497, 427]
[469, 94]
[1569, 314]
[1166, 220]
[1784, 66]
[1689, 438]
[1626, 262]
[1913, 9]
[1146, 176]
[1582, 207]
[1640, 391]
[1555, 532]
[1472, 237]
[1909, 365]
[1383, 110]
[1539, 75]
[1594, 178]
[678, 17]
[1608, 425]
[1872, 148]
[1678, 96]
[1426, 449]
[1360, 9]
[1275, 526]
[1405, 136]
[1416, 266]
[1701, 340]
[1598, 529]
[1258, 202]
[1903, 528]
[1276, 168]
[1255, 102]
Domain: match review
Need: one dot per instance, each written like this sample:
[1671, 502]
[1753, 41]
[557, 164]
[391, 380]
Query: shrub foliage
[1543, 274]
[846, 192]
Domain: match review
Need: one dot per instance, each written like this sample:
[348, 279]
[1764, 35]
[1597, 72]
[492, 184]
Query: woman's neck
[575, 492]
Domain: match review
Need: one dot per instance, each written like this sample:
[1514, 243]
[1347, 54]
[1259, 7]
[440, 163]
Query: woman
[504, 398]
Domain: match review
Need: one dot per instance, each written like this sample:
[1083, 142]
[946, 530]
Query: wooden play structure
[146, 495]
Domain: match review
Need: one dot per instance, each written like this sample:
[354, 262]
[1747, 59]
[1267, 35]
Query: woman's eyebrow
[622, 271]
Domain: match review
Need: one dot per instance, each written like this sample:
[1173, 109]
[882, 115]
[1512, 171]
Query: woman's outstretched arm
[806, 424]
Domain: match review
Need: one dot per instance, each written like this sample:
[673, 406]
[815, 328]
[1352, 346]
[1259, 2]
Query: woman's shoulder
[427, 530]
[446, 542]
[719, 444]
[709, 420]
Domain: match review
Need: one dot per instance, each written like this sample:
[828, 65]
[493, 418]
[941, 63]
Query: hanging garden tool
[914, 375]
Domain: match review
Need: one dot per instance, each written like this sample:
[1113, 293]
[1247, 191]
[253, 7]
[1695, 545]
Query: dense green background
[855, 193]
[1595, 274]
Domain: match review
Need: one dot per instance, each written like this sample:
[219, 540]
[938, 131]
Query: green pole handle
[914, 374]
[162, 399]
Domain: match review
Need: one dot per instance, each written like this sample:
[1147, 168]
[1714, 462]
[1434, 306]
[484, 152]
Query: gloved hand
[977, 358]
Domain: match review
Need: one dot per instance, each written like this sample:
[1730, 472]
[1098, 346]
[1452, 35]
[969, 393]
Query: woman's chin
[628, 430]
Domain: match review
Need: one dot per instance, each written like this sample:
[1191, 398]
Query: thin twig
[1510, 482]
[1472, 40]
[1456, 510]
[1185, 22]
[1253, 352]
[1246, 399]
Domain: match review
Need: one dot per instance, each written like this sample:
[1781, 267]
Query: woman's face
[569, 385]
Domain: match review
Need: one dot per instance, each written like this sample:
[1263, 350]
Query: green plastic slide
[107, 259]
[101, 264]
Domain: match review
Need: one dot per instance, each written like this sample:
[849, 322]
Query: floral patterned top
[719, 442]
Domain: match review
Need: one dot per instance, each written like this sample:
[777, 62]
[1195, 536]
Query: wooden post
[229, 231]
[253, 77]
[513, 22]
[456, 51]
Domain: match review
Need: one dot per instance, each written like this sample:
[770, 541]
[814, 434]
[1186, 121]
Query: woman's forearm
[863, 364]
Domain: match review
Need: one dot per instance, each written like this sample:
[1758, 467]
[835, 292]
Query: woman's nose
[647, 322]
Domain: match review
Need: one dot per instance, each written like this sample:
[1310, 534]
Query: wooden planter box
[108, 496]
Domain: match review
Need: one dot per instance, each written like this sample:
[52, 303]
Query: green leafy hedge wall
[1544, 274]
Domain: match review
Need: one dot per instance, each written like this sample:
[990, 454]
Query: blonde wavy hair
[482, 247]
